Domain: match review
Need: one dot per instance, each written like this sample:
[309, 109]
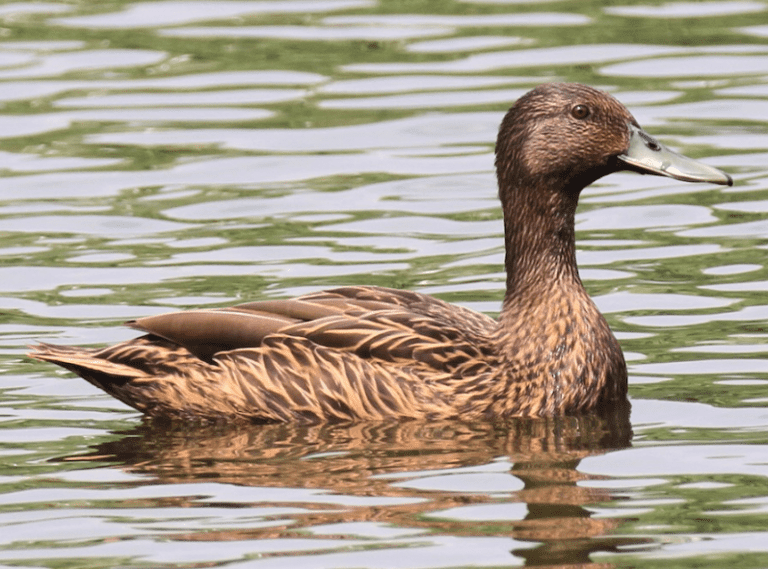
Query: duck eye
[580, 112]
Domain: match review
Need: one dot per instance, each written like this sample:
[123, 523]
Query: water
[167, 155]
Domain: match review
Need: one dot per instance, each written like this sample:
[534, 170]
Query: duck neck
[540, 242]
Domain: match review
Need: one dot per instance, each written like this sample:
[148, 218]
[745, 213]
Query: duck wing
[372, 322]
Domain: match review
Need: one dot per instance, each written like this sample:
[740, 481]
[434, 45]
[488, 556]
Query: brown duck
[370, 353]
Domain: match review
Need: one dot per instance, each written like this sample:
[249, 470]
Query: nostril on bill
[650, 142]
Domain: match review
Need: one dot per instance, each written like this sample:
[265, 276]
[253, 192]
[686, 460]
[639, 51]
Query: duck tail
[104, 374]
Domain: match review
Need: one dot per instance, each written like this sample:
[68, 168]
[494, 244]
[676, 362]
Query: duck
[368, 353]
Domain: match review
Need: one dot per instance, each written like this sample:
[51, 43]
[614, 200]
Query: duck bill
[648, 156]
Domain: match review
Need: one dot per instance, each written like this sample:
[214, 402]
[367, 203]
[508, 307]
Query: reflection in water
[406, 472]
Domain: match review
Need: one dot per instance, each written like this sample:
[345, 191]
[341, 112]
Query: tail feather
[81, 360]
[112, 377]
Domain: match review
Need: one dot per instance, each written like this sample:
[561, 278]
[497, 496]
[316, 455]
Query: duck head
[567, 135]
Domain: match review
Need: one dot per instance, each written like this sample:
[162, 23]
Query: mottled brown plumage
[370, 353]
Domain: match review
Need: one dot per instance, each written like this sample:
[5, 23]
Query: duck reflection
[540, 457]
